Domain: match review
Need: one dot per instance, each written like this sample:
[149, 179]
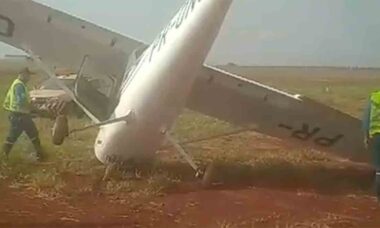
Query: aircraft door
[97, 94]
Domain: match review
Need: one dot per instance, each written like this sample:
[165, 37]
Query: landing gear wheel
[108, 171]
[209, 176]
[199, 174]
[60, 130]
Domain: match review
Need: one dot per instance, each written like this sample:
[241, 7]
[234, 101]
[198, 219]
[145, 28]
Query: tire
[60, 130]
[209, 176]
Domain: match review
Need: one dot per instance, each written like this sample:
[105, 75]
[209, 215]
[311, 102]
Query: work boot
[7, 147]
[39, 151]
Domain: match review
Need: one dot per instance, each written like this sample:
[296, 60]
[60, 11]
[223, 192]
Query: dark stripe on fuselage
[159, 42]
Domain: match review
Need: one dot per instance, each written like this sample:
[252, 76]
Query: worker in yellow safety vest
[371, 125]
[17, 103]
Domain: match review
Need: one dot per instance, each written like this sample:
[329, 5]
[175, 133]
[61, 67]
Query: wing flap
[273, 112]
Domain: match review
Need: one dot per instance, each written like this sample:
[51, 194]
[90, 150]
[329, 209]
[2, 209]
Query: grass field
[246, 158]
[343, 88]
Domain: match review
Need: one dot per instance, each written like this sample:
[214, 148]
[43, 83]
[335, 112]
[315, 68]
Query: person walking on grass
[17, 103]
[371, 125]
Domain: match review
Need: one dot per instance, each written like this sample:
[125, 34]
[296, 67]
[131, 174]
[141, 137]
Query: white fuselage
[156, 88]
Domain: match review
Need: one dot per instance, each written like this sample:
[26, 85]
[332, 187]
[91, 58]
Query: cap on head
[25, 75]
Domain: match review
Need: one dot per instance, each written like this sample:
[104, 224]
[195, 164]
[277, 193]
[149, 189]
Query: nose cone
[110, 144]
[122, 142]
[119, 143]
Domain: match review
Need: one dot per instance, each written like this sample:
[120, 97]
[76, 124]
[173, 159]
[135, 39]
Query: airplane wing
[61, 40]
[270, 111]
[56, 40]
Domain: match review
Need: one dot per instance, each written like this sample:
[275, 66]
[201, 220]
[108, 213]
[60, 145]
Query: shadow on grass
[282, 175]
[175, 176]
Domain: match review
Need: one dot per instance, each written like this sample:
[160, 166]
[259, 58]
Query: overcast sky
[256, 32]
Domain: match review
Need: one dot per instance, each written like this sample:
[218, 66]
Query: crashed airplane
[144, 88]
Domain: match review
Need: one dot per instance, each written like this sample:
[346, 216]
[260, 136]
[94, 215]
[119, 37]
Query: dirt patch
[247, 207]
[285, 195]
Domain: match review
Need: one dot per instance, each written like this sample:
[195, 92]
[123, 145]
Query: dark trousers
[20, 123]
[374, 147]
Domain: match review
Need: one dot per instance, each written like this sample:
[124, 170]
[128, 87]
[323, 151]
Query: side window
[6, 26]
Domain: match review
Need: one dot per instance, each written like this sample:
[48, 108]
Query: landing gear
[61, 127]
[205, 175]
[198, 172]
[60, 130]
[209, 176]
[108, 171]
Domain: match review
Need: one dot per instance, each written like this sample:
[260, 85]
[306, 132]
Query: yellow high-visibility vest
[374, 127]
[10, 102]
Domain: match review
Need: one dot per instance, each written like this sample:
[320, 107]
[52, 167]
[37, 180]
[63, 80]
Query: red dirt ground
[249, 207]
[191, 206]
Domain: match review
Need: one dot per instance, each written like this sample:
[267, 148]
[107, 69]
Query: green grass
[72, 169]
[348, 89]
